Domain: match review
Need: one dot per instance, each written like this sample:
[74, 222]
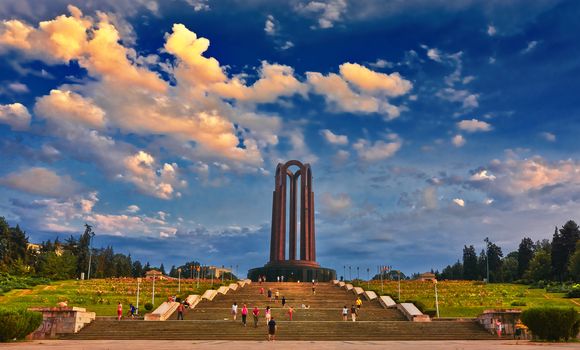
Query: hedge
[17, 324]
[552, 323]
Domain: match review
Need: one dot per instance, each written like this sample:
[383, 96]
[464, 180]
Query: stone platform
[292, 272]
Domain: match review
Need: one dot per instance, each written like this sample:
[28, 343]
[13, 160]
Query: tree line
[544, 260]
[67, 259]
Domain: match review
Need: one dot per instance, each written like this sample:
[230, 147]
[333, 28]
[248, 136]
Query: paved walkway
[290, 345]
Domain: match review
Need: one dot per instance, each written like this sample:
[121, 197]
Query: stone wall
[61, 320]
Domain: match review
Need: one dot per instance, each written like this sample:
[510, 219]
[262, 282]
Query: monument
[293, 195]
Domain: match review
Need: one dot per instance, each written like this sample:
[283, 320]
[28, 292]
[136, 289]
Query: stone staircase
[211, 320]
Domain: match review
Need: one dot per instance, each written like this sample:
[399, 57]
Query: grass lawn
[469, 299]
[102, 295]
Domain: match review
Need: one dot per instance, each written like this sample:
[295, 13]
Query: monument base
[292, 273]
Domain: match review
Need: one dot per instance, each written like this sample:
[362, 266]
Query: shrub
[518, 303]
[552, 323]
[574, 292]
[148, 306]
[17, 324]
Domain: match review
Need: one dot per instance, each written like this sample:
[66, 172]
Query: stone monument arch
[293, 208]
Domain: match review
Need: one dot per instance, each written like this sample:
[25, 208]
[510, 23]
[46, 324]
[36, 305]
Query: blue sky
[428, 124]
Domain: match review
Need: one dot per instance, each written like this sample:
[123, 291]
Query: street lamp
[179, 280]
[153, 295]
[138, 283]
[344, 272]
[91, 235]
[436, 300]
[399, 271]
[368, 278]
[357, 273]
[198, 273]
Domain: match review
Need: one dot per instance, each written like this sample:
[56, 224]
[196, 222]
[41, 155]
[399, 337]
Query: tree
[58, 267]
[574, 265]
[494, 255]
[162, 269]
[509, 268]
[137, 270]
[525, 255]
[563, 246]
[540, 265]
[454, 272]
[470, 269]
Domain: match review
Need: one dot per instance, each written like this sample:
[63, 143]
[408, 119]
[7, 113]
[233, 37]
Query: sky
[428, 124]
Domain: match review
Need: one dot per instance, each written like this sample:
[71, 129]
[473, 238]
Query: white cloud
[18, 87]
[460, 202]
[287, 45]
[482, 175]
[458, 140]
[133, 209]
[548, 136]
[531, 46]
[381, 63]
[40, 181]
[466, 98]
[16, 115]
[66, 106]
[329, 12]
[434, 54]
[270, 27]
[157, 182]
[337, 204]
[333, 138]
[374, 82]
[491, 30]
[199, 5]
[379, 150]
[474, 125]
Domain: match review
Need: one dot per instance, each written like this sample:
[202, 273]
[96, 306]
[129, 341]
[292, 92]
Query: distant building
[155, 273]
[217, 271]
[427, 276]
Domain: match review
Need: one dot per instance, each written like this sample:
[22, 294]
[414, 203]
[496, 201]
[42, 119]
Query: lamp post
[381, 271]
[399, 271]
[350, 273]
[436, 300]
[368, 278]
[344, 272]
[91, 235]
[237, 271]
[138, 283]
[179, 280]
[198, 273]
[153, 295]
[357, 273]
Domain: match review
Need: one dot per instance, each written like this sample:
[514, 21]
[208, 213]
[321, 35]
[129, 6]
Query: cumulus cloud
[133, 208]
[474, 125]
[482, 175]
[16, 115]
[458, 140]
[381, 63]
[328, 12]
[374, 82]
[335, 204]
[18, 87]
[530, 47]
[333, 138]
[199, 5]
[467, 99]
[458, 201]
[379, 150]
[491, 30]
[158, 182]
[40, 181]
[67, 106]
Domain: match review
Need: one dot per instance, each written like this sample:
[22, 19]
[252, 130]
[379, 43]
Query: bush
[552, 323]
[148, 306]
[518, 303]
[574, 292]
[17, 324]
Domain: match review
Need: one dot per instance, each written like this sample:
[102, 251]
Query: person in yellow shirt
[358, 302]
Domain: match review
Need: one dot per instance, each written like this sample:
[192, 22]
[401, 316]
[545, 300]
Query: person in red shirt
[290, 312]
[119, 311]
[256, 313]
[244, 314]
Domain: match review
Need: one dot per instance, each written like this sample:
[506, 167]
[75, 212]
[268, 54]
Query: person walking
[270, 294]
[119, 311]
[180, 308]
[353, 312]
[283, 301]
[278, 279]
[235, 310]
[358, 302]
[132, 311]
[261, 290]
[344, 313]
[313, 288]
[276, 296]
[498, 327]
[290, 312]
[256, 313]
[272, 330]
[244, 314]
[268, 314]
